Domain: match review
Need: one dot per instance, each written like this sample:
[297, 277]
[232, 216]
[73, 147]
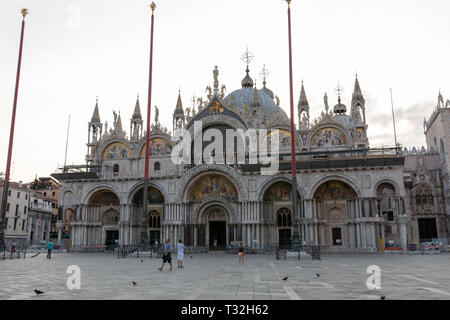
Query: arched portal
[335, 202]
[153, 216]
[216, 221]
[104, 207]
[277, 206]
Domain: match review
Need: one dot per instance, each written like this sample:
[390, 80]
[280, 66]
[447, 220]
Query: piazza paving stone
[217, 275]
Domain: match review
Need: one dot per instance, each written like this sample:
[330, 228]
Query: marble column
[403, 239]
[358, 236]
[363, 235]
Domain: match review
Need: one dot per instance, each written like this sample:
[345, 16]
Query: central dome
[243, 96]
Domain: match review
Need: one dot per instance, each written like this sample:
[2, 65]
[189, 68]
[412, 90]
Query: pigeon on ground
[38, 292]
[383, 298]
[318, 275]
[142, 260]
[192, 257]
[36, 255]
[285, 278]
[134, 283]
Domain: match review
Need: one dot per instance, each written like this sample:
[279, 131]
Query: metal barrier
[313, 251]
[13, 252]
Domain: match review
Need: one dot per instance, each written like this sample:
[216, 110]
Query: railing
[94, 248]
[133, 175]
[11, 252]
[313, 251]
[124, 250]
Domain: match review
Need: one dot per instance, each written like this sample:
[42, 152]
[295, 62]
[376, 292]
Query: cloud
[408, 121]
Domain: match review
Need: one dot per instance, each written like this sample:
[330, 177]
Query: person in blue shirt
[167, 255]
[49, 248]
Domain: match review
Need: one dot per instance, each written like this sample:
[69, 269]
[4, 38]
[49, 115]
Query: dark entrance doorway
[284, 238]
[337, 238]
[427, 229]
[217, 235]
[155, 236]
[111, 237]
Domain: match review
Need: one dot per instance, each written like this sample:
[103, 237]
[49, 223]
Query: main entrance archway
[217, 229]
[215, 226]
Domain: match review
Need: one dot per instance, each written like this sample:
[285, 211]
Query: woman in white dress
[180, 253]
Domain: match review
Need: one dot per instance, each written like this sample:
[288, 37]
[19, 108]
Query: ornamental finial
[153, 6]
[24, 12]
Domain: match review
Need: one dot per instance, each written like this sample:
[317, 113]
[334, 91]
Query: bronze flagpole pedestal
[11, 138]
[144, 230]
[296, 241]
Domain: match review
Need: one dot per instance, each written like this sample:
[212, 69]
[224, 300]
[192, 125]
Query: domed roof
[245, 96]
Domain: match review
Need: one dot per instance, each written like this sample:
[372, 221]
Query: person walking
[180, 254]
[241, 253]
[49, 249]
[13, 247]
[155, 246]
[166, 255]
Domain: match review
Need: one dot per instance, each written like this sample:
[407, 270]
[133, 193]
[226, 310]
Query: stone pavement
[218, 276]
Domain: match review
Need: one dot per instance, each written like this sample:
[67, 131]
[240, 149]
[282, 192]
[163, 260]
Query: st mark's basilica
[349, 195]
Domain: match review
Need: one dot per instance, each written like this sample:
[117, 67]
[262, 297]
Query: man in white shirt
[180, 253]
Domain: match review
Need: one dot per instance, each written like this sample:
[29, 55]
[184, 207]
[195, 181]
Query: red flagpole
[295, 236]
[11, 135]
[147, 156]
[144, 230]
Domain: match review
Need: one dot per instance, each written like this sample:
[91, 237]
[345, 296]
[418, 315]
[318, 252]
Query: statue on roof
[222, 91]
[209, 91]
[325, 101]
[156, 115]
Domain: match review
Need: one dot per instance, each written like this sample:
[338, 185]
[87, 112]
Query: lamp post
[144, 230]
[11, 138]
[296, 241]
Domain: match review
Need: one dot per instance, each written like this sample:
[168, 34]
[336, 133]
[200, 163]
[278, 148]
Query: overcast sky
[79, 49]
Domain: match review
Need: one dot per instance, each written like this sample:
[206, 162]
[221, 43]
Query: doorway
[217, 235]
[284, 238]
[337, 238]
[427, 229]
[155, 236]
[111, 237]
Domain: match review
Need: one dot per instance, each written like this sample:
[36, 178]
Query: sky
[77, 50]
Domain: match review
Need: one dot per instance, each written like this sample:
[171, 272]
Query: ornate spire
[137, 110]
[179, 106]
[358, 103]
[303, 101]
[357, 90]
[178, 117]
[96, 115]
[340, 108]
[118, 124]
[247, 82]
[264, 73]
[303, 109]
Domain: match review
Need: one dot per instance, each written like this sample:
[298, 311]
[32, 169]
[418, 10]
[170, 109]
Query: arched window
[387, 200]
[157, 166]
[116, 168]
[284, 218]
[154, 220]
[424, 199]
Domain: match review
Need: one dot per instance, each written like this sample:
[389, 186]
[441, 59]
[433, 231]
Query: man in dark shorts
[166, 255]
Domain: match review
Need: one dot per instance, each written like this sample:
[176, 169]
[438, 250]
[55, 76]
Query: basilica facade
[351, 198]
